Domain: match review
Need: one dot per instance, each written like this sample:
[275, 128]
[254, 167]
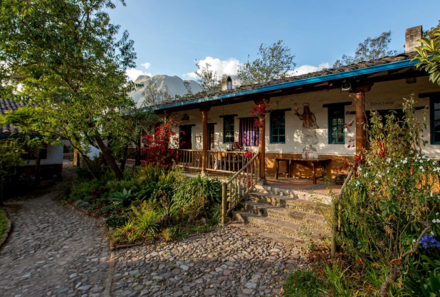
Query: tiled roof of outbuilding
[364, 64]
[7, 105]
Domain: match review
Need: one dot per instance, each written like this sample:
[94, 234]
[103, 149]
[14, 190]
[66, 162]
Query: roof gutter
[301, 82]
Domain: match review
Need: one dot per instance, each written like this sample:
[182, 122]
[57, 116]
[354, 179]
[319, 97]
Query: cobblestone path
[53, 250]
[226, 262]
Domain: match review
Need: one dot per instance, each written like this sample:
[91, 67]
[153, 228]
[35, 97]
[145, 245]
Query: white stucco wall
[383, 96]
[54, 156]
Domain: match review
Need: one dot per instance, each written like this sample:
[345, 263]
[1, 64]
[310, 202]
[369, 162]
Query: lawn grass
[3, 223]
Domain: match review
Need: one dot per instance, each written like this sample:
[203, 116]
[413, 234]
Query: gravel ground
[54, 250]
[226, 262]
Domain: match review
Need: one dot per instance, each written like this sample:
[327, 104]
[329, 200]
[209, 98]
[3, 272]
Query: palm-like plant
[123, 197]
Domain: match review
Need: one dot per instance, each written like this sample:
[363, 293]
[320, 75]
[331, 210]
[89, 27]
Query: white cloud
[228, 67]
[146, 65]
[134, 73]
[307, 69]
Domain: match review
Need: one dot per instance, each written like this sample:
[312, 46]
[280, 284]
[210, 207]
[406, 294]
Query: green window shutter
[336, 122]
[277, 127]
[228, 129]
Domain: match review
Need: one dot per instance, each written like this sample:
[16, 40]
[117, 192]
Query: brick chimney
[226, 83]
[411, 36]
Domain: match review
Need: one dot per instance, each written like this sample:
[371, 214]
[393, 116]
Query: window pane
[436, 115]
[437, 137]
[282, 131]
[437, 105]
[274, 138]
[282, 138]
[340, 121]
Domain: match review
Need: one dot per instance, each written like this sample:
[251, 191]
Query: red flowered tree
[160, 148]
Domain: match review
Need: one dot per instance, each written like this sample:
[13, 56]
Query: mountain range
[173, 84]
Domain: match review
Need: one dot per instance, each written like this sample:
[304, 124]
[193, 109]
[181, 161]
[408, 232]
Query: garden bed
[5, 227]
[150, 204]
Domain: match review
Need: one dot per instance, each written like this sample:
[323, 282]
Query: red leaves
[157, 146]
[248, 155]
[257, 112]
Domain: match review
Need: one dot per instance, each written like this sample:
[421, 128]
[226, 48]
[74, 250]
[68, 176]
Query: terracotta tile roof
[7, 105]
[364, 64]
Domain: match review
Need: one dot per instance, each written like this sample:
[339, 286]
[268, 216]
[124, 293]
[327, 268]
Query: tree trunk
[110, 159]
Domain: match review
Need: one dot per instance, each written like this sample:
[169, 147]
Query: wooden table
[310, 162]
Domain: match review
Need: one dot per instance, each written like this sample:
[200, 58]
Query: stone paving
[226, 262]
[54, 250]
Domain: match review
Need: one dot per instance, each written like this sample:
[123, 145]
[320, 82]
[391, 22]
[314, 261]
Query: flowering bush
[393, 196]
[160, 147]
[257, 111]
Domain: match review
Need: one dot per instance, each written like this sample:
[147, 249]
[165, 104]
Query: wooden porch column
[361, 136]
[204, 111]
[262, 140]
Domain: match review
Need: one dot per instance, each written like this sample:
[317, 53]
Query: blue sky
[170, 34]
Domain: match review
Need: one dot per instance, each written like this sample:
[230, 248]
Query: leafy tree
[275, 62]
[10, 158]
[188, 88]
[429, 56]
[369, 49]
[71, 69]
[152, 95]
[430, 32]
[208, 79]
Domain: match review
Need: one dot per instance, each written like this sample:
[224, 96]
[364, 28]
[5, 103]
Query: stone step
[286, 214]
[287, 202]
[300, 232]
[292, 193]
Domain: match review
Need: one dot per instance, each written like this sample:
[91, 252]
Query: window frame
[330, 111]
[277, 113]
[433, 99]
[232, 117]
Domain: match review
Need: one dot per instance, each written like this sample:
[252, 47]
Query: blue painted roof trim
[301, 82]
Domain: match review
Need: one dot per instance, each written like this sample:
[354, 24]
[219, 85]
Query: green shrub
[425, 283]
[123, 198]
[196, 195]
[83, 189]
[170, 233]
[3, 223]
[303, 283]
[115, 185]
[115, 221]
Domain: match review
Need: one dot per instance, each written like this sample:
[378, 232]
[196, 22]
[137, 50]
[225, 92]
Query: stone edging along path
[8, 229]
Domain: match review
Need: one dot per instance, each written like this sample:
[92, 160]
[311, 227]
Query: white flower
[432, 233]
[369, 162]
[405, 161]
[389, 160]
[414, 240]
[366, 174]
[428, 159]
[394, 180]
[434, 220]
[388, 171]
[423, 170]
[421, 161]
[376, 182]
[395, 166]
[433, 163]
[360, 168]
[357, 183]
[431, 194]
[423, 157]
[436, 214]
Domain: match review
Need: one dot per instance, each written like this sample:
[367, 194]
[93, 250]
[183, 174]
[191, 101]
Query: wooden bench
[312, 163]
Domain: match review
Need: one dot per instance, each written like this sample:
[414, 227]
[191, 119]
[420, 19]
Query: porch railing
[191, 159]
[228, 161]
[239, 186]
